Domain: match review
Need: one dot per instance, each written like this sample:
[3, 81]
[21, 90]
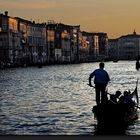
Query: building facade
[129, 46]
[126, 47]
[113, 49]
[10, 41]
[24, 43]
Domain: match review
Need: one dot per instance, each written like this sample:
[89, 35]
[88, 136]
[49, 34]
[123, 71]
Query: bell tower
[134, 32]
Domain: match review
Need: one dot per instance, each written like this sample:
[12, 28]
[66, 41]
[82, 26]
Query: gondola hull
[117, 115]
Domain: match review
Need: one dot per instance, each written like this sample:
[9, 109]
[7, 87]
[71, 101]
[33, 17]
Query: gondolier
[101, 79]
[123, 112]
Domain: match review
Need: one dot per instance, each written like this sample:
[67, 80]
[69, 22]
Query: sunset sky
[115, 17]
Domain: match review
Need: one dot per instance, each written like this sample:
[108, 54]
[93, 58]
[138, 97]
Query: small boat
[117, 116]
[115, 60]
[137, 65]
[137, 62]
[39, 63]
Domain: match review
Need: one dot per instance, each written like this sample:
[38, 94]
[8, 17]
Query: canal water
[56, 100]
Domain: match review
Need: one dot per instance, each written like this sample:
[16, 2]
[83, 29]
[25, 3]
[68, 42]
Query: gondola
[117, 116]
[137, 65]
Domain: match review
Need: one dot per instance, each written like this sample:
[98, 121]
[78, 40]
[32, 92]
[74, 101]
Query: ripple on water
[56, 100]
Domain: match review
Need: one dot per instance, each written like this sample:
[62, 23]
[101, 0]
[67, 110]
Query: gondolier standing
[101, 79]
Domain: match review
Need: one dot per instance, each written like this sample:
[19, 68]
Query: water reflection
[55, 100]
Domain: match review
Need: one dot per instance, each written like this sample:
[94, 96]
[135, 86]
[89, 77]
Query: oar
[90, 85]
[137, 106]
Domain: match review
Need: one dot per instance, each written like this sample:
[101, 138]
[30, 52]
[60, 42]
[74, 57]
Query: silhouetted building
[113, 49]
[129, 46]
[62, 41]
[90, 43]
[10, 46]
[24, 42]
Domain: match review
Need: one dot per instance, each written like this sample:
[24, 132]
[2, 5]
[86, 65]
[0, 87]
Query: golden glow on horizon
[115, 17]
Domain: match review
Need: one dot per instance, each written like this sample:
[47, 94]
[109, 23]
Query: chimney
[6, 13]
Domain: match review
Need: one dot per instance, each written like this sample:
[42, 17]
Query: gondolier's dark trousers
[101, 96]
